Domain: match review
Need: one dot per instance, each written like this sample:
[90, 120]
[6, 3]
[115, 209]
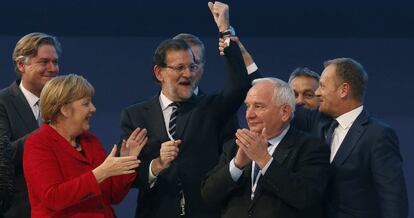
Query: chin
[186, 96]
[255, 129]
[86, 127]
[321, 109]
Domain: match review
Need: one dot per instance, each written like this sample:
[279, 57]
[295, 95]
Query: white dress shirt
[31, 99]
[345, 122]
[167, 111]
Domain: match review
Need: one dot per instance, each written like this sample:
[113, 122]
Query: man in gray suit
[35, 59]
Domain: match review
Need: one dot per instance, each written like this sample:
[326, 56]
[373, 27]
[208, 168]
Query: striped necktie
[172, 126]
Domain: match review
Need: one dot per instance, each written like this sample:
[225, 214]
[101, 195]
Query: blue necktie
[256, 172]
[330, 132]
[257, 168]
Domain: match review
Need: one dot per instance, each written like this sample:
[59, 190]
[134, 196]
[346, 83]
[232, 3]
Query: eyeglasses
[181, 68]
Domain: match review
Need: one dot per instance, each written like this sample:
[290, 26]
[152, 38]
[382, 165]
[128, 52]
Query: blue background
[111, 44]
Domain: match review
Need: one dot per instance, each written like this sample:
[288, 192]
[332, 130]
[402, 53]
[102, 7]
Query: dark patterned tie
[172, 126]
[39, 116]
[330, 132]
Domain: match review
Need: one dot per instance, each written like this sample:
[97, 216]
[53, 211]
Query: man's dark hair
[166, 46]
[305, 72]
[193, 40]
[350, 71]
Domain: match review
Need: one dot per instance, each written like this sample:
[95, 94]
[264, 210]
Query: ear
[285, 112]
[158, 74]
[20, 66]
[66, 110]
[344, 90]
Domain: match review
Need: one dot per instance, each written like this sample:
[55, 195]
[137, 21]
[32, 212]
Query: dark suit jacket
[16, 123]
[198, 126]
[60, 179]
[6, 176]
[368, 180]
[229, 128]
[293, 185]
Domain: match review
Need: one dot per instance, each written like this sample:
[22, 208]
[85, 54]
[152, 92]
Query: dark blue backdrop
[119, 68]
[111, 44]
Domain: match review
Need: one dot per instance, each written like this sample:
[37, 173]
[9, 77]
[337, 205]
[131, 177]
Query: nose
[93, 108]
[188, 73]
[250, 113]
[318, 92]
[53, 67]
[299, 100]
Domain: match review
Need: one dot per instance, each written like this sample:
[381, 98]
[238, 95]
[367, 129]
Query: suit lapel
[155, 119]
[285, 146]
[280, 155]
[22, 107]
[351, 138]
[185, 112]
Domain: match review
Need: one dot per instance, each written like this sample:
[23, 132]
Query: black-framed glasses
[181, 68]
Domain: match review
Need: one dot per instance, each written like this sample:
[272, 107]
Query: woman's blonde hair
[60, 91]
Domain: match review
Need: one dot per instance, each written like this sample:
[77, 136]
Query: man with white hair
[272, 170]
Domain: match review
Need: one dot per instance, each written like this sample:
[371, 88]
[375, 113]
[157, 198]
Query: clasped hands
[252, 146]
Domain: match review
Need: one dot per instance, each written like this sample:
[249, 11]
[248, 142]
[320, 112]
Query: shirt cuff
[266, 166]
[251, 68]
[151, 177]
[227, 41]
[235, 172]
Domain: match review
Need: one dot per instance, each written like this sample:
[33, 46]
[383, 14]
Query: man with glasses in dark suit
[184, 138]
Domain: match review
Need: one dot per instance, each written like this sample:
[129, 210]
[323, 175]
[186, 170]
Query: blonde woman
[65, 166]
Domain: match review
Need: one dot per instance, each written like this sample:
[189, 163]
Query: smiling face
[178, 76]
[329, 92]
[78, 113]
[263, 112]
[37, 70]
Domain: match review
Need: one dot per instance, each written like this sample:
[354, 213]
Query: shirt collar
[196, 91]
[276, 140]
[347, 119]
[164, 101]
[30, 97]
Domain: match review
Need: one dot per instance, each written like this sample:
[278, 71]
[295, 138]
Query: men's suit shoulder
[386, 167]
[16, 123]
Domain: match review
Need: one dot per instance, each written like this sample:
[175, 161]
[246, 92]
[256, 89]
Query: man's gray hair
[281, 93]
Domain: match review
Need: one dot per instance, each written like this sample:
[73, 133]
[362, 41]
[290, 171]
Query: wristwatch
[229, 32]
